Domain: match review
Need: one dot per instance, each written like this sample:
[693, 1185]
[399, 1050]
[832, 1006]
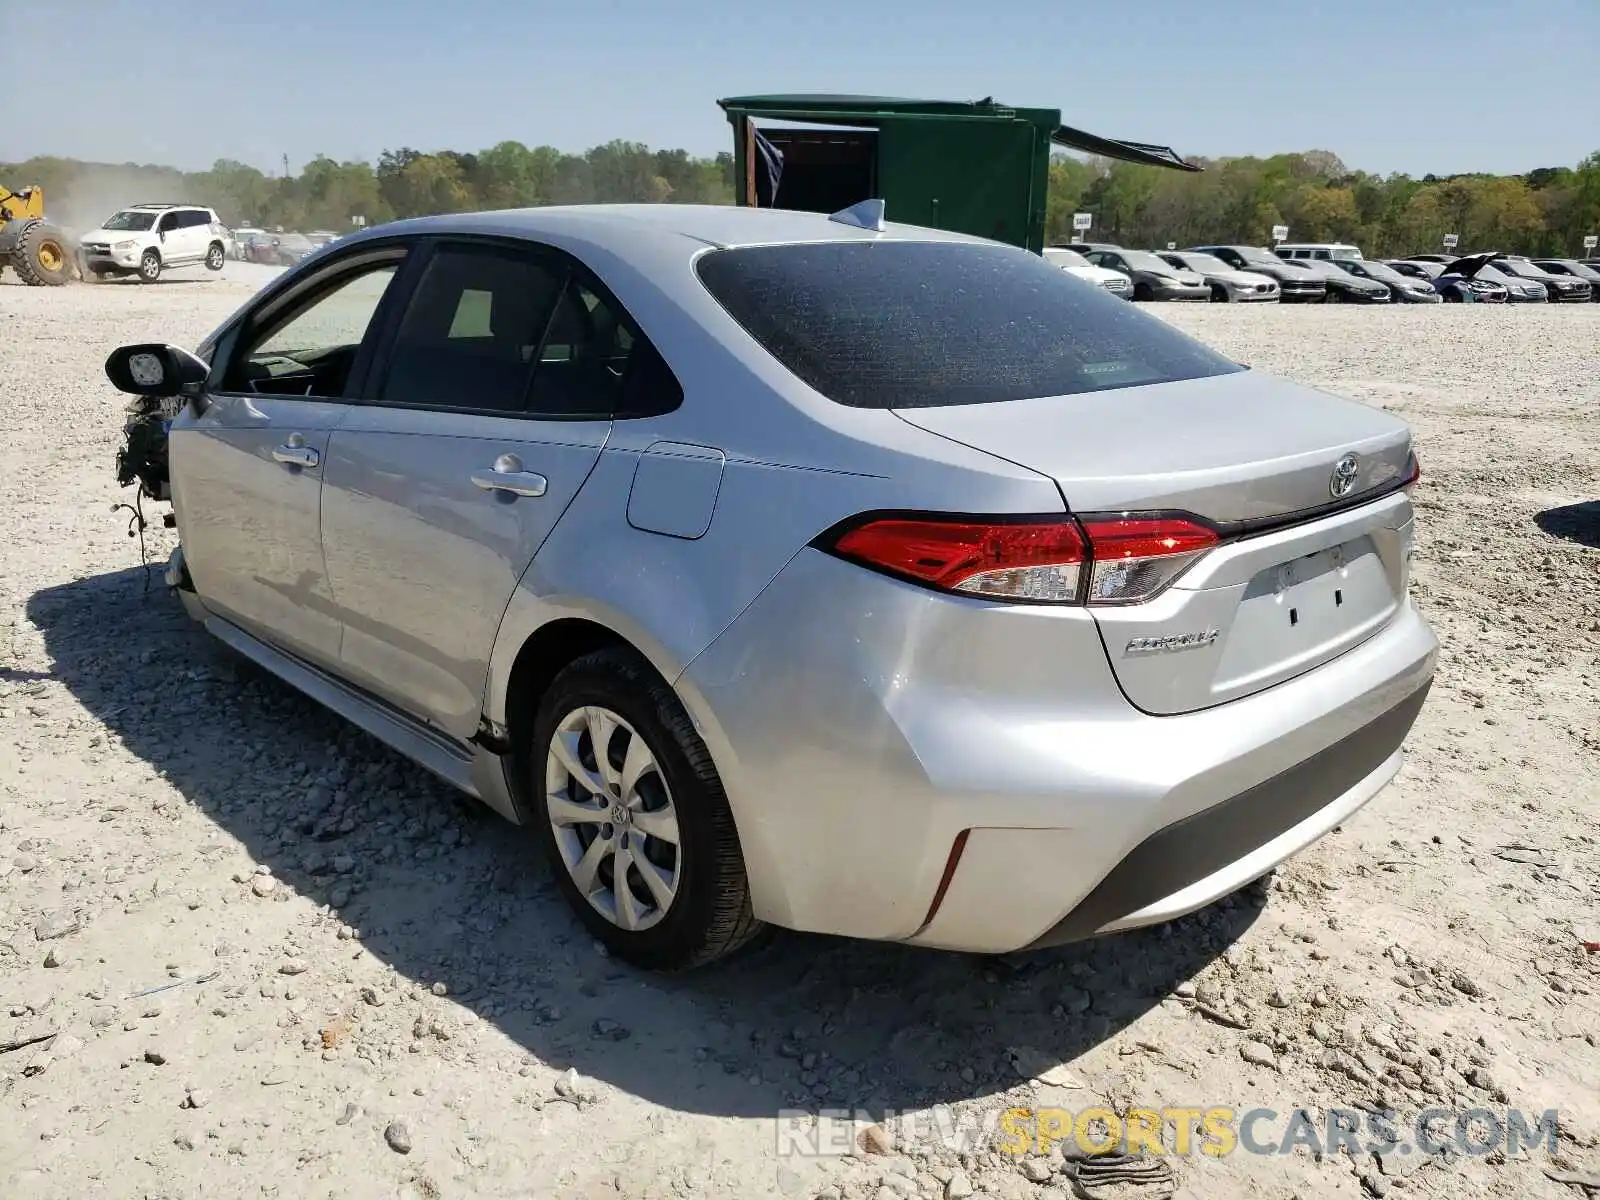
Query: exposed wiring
[136, 527]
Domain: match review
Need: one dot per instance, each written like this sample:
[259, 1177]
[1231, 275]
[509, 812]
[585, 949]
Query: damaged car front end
[142, 458]
[170, 378]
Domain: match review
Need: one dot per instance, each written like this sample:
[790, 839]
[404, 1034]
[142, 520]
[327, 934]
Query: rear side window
[930, 324]
[594, 362]
[469, 336]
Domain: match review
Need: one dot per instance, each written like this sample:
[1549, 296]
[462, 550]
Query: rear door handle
[295, 452]
[508, 476]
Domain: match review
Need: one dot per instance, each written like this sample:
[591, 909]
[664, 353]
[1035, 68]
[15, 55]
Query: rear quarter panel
[670, 596]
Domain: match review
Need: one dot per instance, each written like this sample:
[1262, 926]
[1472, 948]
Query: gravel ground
[373, 990]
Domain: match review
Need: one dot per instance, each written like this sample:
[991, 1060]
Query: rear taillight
[1137, 557]
[1100, 560]
[1413, 474]
[1021, 560]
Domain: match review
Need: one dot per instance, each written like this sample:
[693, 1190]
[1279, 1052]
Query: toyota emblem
[1345, 473]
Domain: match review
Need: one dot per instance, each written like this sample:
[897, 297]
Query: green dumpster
[980, 168]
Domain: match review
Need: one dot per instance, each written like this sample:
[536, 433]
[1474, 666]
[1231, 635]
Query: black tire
[1219, 294]
[149, 266]
[1333, 296]
[710, 916]
[216, 256]
[41, 257]
[1142, 292]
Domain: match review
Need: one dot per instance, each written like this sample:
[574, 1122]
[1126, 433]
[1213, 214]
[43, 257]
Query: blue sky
[1378, 82]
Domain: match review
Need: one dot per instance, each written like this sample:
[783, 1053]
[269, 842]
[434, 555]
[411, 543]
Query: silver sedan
[1226, 283]
[778, 568]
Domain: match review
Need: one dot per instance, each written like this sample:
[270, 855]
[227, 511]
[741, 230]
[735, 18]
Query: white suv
[147, 239]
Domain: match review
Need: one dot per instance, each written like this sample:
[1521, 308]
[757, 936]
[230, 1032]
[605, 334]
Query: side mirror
[156, 370]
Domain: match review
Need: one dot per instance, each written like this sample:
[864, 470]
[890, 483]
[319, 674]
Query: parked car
[1441, 259]
[1562, 289]
[1403, 289]
[1576, 268]
[1073, 263]
[654, 552]
[292, 247]
[1343, 287]
[1153, 279]
[241, 238]
[1294, 285]
[148, 239]
[1452, 289]
[1226, 283]
[261, 248]
[1481, 266]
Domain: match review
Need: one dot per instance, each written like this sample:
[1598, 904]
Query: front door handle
[508, 476]
[295, 452]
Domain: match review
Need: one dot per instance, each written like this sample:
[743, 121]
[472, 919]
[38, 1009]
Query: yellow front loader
[32, 247]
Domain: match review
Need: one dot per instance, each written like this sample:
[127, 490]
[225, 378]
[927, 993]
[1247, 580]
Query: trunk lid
[1306, 572]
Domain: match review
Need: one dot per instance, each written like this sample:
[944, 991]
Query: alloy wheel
[613, 818]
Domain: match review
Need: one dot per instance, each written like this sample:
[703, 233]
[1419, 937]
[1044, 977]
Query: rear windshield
[929, 324]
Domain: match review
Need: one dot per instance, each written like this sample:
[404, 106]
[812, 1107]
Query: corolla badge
[1173, 641]
[1345, 473]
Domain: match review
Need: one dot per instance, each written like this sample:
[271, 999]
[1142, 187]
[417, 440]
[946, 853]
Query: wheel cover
[613, 818]
[51, 256]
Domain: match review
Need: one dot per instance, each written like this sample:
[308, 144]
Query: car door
[247, 469]
[489, 409]
[190, 236]
[169, 239]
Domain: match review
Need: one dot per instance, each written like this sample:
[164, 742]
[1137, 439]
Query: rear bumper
[1218, 850]
[865, 729]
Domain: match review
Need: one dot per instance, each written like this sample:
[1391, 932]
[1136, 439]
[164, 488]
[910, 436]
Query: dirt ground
[372, 989]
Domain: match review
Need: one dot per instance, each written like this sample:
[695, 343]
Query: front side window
[897, 324]
[310, 349]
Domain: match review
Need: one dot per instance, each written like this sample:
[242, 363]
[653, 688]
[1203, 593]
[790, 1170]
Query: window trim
[572, 268]
[314, 287]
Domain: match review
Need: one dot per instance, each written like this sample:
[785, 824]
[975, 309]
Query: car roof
[162, 206]
[616, 225]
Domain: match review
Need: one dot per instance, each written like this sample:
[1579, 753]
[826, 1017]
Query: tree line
[1547, 211]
